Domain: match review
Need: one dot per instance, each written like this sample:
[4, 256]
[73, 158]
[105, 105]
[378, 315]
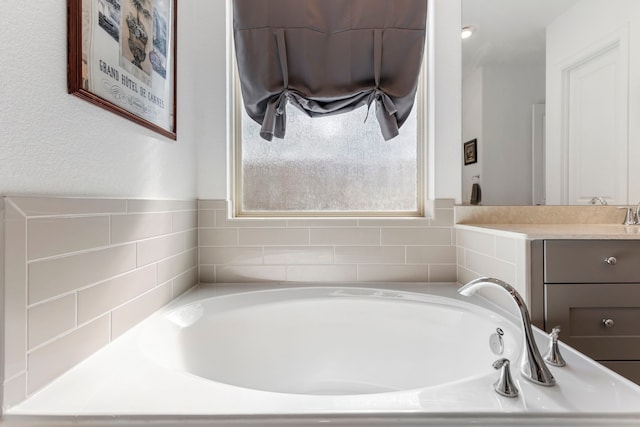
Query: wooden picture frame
[122, 57]
[470, 152]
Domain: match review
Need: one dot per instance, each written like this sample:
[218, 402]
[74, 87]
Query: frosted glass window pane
[337, 163]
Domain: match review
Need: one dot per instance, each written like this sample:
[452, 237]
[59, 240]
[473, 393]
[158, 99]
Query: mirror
[546, 90]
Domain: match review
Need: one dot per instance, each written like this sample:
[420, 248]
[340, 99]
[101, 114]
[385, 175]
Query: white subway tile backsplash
[127, 228]
[337, 249]
[48, 320]
[56, 276]
[218, 237]
[442, 218]
[393, 273]
[431, 255]
[153, 250]
[298, 255]
[64, 257]
[47, 362]
[461, 255]
[212, 204]
[443, 273]
[111, 263]
[370, 254]
[15, 301]
[46, 206]
[502, 270]
[14, 391]
[345, 236]
[416, 236]
[128, 315]
[190, 239]
[484, 253]
[479, 242]
[55, 236]
[465, 275]
[250, 273]
[182, 221]
[505, 248]
[206, 273]
[231, 255]
[206, 218]
[146, 205]
[172, 267]
[394, 222]
[222, 221]
[322, 273]
[273, 236]
[104, 297]
[322, 222]
[184, 282]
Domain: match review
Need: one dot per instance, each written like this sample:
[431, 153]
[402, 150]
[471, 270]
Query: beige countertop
[558, 231]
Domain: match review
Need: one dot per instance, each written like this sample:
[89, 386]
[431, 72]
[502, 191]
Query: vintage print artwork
[122, 57]
[471, 152]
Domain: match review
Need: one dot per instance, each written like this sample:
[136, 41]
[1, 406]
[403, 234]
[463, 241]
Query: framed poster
[470, 152]
[122, 57]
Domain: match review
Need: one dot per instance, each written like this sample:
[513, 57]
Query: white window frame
[234, 136]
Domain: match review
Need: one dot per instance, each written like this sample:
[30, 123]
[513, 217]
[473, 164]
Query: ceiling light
[467, 32]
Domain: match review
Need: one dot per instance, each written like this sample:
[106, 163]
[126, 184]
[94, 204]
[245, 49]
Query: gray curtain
[328, 57]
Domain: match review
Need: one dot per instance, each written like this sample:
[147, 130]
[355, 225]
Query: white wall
[54, 143]
[586, 25]
[472, 87]
[508, 96]
[446, 123]
[503, 125]
[445, 153]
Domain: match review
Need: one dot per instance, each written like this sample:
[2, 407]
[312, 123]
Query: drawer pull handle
[608, 323]
[611, 260]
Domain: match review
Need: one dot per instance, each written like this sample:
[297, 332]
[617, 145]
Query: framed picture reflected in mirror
[470, 152]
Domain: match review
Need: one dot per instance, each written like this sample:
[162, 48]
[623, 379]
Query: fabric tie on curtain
[328, 57]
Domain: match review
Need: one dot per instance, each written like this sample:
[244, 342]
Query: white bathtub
[311, 354]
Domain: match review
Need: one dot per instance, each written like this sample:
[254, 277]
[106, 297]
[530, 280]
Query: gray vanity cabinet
[591, 289]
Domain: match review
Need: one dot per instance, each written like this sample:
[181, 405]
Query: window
[330, 166]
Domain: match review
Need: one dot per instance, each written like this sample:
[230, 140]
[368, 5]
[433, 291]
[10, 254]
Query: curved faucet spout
[532, 365]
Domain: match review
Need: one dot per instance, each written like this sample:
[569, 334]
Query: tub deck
[120, 386]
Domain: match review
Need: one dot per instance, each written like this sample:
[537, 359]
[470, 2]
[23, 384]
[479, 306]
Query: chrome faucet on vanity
[532, 365]
[598, 199]
[631, 217]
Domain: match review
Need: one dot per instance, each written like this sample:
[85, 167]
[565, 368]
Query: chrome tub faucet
[532, 366]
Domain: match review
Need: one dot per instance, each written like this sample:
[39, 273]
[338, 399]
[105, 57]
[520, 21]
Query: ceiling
[508, 30]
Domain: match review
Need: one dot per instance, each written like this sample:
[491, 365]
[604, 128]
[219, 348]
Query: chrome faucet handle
[630, 218]
[553, 356]
[505, 385]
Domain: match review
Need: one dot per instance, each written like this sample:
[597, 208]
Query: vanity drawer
[584, 261]
[629, 369]
[581, 311]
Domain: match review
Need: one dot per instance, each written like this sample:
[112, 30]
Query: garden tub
[343, 354]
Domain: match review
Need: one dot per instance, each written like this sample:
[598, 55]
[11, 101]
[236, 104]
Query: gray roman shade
[328, 57]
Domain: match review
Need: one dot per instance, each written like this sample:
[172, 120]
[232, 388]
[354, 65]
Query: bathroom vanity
[591, 290]
[583, 277]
